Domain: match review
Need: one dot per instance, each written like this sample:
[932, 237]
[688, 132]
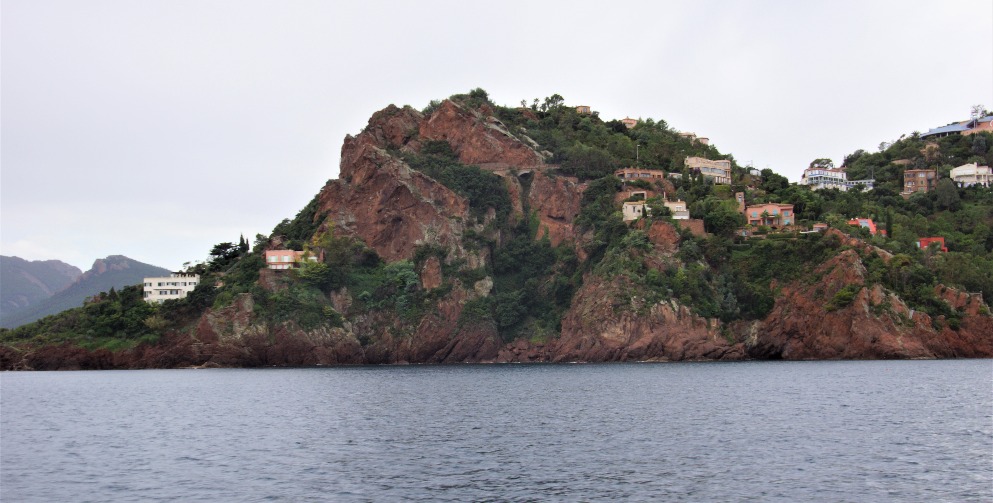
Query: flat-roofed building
[639, 174]
[718, 171]
[174, 286]
[968, 175]
[919, 180]
[286, 259]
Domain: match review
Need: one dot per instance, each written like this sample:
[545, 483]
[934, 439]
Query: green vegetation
[722, 275]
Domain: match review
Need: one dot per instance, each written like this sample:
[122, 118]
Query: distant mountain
[115, 271]
[24, 283]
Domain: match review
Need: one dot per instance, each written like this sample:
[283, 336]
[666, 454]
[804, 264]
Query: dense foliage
[727, 274]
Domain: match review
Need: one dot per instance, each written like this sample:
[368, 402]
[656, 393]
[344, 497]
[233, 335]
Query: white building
[175, 286]
[968, 175]
[633, 210]
[831, 178]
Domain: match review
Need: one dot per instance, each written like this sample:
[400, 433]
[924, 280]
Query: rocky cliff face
[394, 209]
[876, 325]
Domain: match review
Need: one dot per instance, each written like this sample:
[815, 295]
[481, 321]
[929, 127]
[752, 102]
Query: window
[272, 258]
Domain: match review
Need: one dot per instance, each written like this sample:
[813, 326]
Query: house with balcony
[924, 243]
[287, 259]
[968, 175]
[717, 171]
[770, 214]
[639, 174]
[919, 180]
[163, 288]
[831, 178]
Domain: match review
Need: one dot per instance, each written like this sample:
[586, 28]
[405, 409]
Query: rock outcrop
[876, 325]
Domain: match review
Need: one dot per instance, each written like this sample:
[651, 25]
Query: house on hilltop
[639, 174]
[583, 110]
[175, 286]
[971, 126]
[287, 259]
[629, 122]
[718, 171]
[968, 175]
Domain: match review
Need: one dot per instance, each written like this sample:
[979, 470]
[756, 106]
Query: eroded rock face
[875, 325]
[598, 329]
[477, 138]
[556, 201]
[389, 206]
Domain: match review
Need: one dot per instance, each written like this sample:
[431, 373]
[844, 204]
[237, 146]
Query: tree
[822, 163]
[947, 195]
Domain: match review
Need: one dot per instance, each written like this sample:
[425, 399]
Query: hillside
[24, 283]
[115, 271]
[469, 231]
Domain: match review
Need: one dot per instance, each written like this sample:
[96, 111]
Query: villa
[968, 175]
[831, 178]
[629, 122]
[971, 126]
[718, 171]
[639, 174]
[286, 259]
[771, 214]
[583, 110]
[175, 286]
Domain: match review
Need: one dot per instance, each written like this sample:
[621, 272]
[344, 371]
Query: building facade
[583, 110]
[286, 259]
[175, 286]
[919, 180]
[639, 174]
[629, 122]
[831, 178]
[771, 214]
[968, 175]
[718, 171]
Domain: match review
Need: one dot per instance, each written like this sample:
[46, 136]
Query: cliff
[427, 259]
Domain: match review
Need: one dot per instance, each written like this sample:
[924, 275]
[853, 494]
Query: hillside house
[924, 243]
[820, 227]
[868, 224]
[629, 122]
[175, 286]
[971, 126]
[633, 210]
[831, 178]
[703, 140]
[968, 175]
[639, 174]
[919, 180]
[771, 214]
[583, 110]
[718, 171]
[286, 259]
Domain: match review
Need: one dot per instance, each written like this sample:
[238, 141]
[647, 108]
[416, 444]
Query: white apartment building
[831, 178]
[968, 175]
[175, 286]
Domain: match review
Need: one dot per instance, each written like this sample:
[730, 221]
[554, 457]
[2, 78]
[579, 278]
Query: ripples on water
[755, 431]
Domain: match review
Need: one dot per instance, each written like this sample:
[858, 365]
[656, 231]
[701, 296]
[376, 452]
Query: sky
[156, 129]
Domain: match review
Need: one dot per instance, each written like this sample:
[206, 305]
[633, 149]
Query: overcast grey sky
[155, 129]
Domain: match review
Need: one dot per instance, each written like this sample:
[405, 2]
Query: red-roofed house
[924, 243]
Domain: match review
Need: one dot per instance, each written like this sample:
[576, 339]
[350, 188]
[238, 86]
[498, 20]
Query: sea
[838, 431]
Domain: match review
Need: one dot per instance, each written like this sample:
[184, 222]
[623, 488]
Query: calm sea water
[755, 431]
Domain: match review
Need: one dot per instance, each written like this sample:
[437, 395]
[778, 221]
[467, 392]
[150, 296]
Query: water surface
[746, 431]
